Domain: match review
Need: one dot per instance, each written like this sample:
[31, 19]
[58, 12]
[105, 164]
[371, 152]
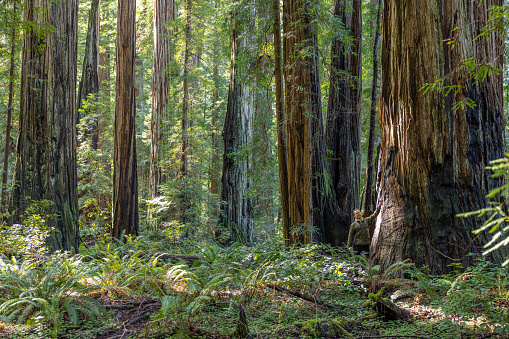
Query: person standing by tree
[358, 237]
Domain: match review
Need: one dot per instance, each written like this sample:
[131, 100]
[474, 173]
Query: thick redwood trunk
[236, 209]
[89, 83]
[369, 193]
[125, 182]
[434, 157]
[163, 14]
[46, 150]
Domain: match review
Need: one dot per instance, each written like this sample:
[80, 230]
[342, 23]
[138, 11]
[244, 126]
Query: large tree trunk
[89, 83]
[311, 201]
[125, 182]
[344, 115]
[433, 157]
[369, 193]
[236, 210]
[8, 126]
[46, 150]
[281, 121]
[163, 14]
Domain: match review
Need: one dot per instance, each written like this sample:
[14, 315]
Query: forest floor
[260, 292]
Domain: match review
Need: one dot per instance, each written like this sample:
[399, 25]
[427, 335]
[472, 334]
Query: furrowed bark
[433, 157]
[125, 181]
[46, 151]
[163, 14]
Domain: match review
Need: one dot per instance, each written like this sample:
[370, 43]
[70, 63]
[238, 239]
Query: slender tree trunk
[344, 115]
[215, 167]
[281, 122]
[125, 182]
[433, 158]
[89, 83]
[184, 205]
[104, 79]
[163, 14]
[369, 194]
[9, 113]
[236, 210]
[46, 150]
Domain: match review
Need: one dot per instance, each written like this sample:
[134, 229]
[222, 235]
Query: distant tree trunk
[125, 182]
[281, 121]
[8, 127]
[236, 210]
[215, 167]
[433, 158]
[46, 150]
[163, 14]
[184, 199]
[104, 79]
[344, 115]
[89, 83]
[369, 193]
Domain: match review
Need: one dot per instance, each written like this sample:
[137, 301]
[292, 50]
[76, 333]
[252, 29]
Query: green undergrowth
[145, 289]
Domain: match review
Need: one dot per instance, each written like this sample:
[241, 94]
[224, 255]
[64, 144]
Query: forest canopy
[149, 143]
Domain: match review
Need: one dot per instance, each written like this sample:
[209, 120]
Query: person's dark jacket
[358, 234]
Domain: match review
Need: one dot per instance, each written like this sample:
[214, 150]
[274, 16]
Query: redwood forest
[254, 169]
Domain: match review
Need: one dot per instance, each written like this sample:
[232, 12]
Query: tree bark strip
[164, 13]
[125, 181]
[8, 127]
[281, 121]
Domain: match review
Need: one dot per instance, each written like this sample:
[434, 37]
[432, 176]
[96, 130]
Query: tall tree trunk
[46, 150]
[236, 210]
[13, 42]
[215, 167]
[281, 121]
[125, 182]
[89, 83]
[344, 115]
[163, 14]
[104, 79]
[184, 199]
[311, 202]
[433, 158]
[369, 194]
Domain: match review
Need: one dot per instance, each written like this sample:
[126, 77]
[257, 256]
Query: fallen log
[306, 297]
[389, 310]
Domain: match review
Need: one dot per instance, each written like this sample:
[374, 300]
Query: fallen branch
[131, 305]
[389, 310]
[306, 297]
